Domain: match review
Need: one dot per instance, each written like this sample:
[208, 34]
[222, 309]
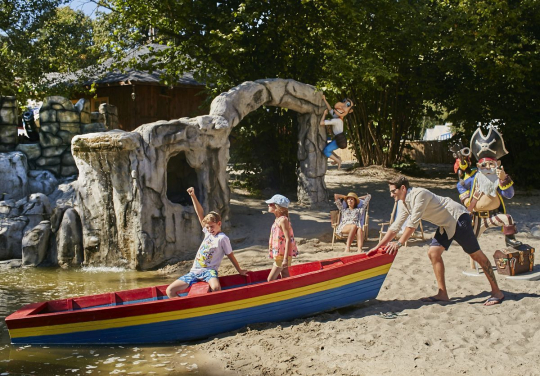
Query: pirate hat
[490, 146]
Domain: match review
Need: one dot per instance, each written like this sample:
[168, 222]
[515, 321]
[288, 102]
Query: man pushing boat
[454, 223]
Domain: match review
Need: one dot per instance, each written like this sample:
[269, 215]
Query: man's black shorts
[464, 236]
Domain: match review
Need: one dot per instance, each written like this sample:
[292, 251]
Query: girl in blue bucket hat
[281, 244]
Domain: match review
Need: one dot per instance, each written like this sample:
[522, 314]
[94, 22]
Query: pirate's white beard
[488, 182]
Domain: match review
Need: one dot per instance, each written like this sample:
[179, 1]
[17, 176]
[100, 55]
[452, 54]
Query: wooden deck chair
[335, 218]
[417, 234]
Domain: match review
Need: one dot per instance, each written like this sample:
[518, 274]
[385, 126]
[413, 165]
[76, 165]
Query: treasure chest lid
[501, 254]
[511, 251]
[521, 248]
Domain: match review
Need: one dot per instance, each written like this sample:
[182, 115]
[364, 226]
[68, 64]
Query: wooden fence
[420, 151]
[430, 151]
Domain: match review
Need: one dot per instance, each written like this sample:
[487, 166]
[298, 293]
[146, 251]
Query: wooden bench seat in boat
[199, 288]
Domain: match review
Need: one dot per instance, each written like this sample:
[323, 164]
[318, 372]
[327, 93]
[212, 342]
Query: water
[22, 286]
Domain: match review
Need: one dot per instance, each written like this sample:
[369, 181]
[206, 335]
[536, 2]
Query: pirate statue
[482, 190]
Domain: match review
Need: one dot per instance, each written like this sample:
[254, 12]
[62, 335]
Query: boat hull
[199, 317]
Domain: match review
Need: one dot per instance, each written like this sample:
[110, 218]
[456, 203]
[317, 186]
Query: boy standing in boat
[214, 246]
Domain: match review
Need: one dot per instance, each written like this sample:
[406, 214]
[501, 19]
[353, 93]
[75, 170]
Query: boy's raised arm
[325, 111]
[196, 204]
[327, 104]
[322, 123]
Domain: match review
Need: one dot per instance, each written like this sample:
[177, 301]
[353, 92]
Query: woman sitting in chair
[352, 218]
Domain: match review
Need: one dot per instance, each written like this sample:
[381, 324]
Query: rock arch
[127, 216]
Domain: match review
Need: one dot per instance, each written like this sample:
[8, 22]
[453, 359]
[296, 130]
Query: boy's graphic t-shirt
[211, 252]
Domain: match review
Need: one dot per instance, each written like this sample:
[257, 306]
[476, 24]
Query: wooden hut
[139, 95]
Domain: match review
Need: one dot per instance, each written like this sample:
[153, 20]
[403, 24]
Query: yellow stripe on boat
[199, 311]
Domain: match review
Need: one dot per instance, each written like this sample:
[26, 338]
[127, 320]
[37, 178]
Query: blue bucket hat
[279, 200]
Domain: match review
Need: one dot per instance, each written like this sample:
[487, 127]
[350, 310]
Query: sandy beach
[459, 337]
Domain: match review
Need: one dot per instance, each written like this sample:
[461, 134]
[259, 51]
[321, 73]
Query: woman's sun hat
[279, 200]
[353, 195]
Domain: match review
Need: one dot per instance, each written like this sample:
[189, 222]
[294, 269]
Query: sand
[459, 337]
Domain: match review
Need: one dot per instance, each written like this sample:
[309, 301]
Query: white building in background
[438, 133]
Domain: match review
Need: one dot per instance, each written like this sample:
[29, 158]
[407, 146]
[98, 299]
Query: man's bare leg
[435, 256]
[481, 258]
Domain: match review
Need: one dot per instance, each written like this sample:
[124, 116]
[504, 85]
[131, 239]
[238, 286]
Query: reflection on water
[29, 285]
[43, 360]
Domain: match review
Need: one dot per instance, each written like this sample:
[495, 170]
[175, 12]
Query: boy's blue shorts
[205, 276]
[329, 148]
[464, 236]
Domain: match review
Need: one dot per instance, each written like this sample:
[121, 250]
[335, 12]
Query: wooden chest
[514, 261]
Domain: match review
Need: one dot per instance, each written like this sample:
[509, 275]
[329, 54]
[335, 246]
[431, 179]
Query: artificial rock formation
[60, 121]
[36, 209]
[132, 197]
[35, 243]
[11, 234]
[69, 239]
[8, 123]
[13, 175]
[108, 116]
[17, 218]
[31, 171]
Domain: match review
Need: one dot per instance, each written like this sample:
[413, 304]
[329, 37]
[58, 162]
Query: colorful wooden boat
[147, 315]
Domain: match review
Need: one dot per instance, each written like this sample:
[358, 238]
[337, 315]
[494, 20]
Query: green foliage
[493, 47]
[405, 64]
[39, 37]
[262, 150]
[522, 162]
[66, 41]
[491, 54]
[226, 43]
[383, 52]
[402, 62]
[86, 43]
[408, 166]
[20, 23]
[376, 52]
[219, 41]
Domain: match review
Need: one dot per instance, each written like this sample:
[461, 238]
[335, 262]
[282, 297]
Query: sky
[87, 6]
